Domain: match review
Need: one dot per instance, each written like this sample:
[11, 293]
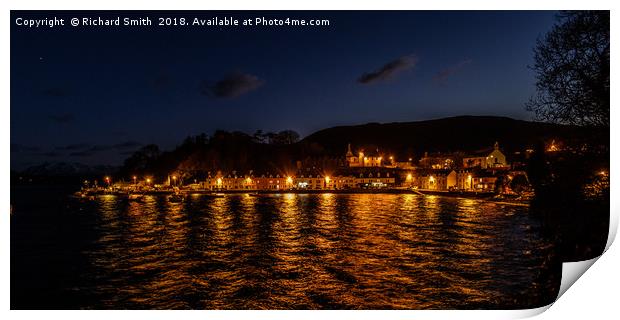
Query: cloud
[442, 76]
[82, 154]
[57, 92]
[80, 150]
[62, 118]
[232, 86]
[77, 146]
[98, 148]
[127, 145]
[15, 147]
[86, 150]
[389, 70]
[50, 154]
[90, 151]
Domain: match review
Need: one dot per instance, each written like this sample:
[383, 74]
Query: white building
[486, 159]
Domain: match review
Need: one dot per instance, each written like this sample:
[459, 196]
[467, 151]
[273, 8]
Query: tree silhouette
[572, 71]
[519, 183]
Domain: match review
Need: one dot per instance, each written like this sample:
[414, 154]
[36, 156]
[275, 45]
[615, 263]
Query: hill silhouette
[238, 152]
[455, 134]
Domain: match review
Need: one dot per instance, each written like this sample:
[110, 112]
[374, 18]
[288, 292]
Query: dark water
[288, 251]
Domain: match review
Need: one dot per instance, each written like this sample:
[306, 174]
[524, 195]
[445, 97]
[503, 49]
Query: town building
[365, 170]
[464, 180]
[437, 179]
[363, 158]
[486, 159]
[484, 182]
[437, 161]
[313, 182]
[376, 180]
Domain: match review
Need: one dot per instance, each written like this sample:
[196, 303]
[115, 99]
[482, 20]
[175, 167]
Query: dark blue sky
[93, 95]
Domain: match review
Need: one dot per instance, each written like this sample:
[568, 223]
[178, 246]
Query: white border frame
[594, 295]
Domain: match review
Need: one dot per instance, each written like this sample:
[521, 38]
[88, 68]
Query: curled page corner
[528, 313]
[571, 271]
[613, 227]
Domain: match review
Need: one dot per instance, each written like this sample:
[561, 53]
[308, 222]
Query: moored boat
[135, 197]
[175, 198]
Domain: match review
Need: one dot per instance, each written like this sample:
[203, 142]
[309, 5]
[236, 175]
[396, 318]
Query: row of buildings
[484, 159]
[481, 172]
[316, 181]
[369, 170]
[431, 179]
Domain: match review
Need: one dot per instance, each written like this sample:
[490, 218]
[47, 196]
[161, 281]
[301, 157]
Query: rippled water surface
[289, 251]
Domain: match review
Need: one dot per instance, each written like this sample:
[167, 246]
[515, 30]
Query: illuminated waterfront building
[486, 159]
[437, 179]
[364, 159]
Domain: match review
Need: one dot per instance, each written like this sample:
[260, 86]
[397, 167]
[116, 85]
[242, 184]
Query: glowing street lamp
[107, 180]
[134, 179]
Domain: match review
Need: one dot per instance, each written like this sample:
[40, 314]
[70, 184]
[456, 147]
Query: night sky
[93, 95]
